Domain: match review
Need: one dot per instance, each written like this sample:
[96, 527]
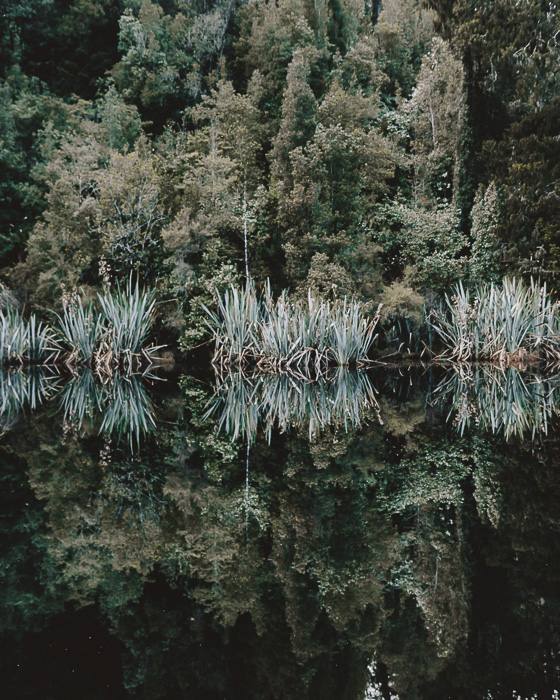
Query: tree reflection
[401, 559]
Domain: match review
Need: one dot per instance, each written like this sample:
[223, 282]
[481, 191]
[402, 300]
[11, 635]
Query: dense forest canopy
[377, 149]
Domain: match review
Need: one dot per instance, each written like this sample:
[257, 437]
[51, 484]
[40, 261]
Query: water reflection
[121, 401]
[391, 560]
[19, 388]
[500, 400]
[245, 403]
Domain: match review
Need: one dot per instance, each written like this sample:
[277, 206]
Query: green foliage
[487, 217]
[154, 52]
[26, 108]
[427, 243]
[311, 143]
[436, 114]
[524, 165]
[120, 122]
[128, 215]
[400, 301]
[215, 278]
[166, 55]
[401, 34]
[510, 52]
[59, 42]
[330, 167]
[270, 36]
[104, 209]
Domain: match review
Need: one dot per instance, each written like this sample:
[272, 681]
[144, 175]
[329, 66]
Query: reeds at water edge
[128, 315]
[80, 329]
[282, 334]
[113, 335]
[507, 323]
[25, 341]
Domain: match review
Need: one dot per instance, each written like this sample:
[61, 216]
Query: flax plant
[128, 315]
[233, 326]
[25, 342]
[281, 334]
[503, 323]
[351, 334]
[277, 340]
[80, 330]
[13, 337]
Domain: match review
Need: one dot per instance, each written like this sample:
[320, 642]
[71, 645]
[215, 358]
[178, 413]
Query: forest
[314, 185]
[380, 151]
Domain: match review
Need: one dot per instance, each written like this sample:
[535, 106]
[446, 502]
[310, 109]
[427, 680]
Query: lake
[394, 534]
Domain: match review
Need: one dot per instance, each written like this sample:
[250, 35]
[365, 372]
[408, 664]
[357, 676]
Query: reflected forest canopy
[279, 346]
[384, 547]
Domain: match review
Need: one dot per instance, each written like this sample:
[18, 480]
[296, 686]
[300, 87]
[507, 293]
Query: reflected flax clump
[19, 388]
[501, 400]
[121, 400]
[245, 402]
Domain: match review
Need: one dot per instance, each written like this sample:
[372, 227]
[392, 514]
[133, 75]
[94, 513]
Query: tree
[424, 244]
[400, 38]
[486, 216]
[271, 34]
[222, 173]
[100, 203]
[166, 56]
[58, 42]
[510, 57]
[128, 214]
[435, 110]
[330, 166]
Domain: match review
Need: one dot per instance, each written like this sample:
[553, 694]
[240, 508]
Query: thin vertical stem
[247, 493]
[245, 228]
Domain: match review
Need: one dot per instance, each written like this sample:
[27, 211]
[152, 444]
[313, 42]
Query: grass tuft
[285, 335]
[25, 341]
[504, 323]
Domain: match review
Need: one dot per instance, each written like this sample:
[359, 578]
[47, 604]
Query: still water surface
[395, 535]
